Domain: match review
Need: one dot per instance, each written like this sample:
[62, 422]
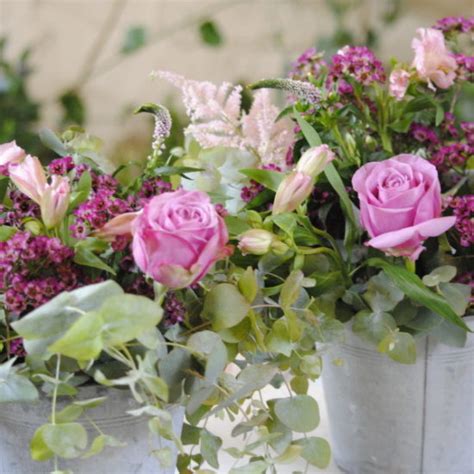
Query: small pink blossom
[433, 61]
[399, 81]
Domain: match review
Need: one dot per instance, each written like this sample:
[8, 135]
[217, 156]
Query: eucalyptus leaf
[316, 451]
[382, 294]
[225, 306]
[399, 346]
[254, 467]
[15, 387]
[65, 439]
[373, 326]
[210, 446]
[299, 413]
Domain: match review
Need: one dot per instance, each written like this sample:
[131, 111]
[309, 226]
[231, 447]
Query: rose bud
[314, 160]
[292, 191]
[118, 225]
[256, 242]
[28, 176]
[55, 201]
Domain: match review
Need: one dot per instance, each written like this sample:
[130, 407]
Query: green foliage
[414, 288]
[135, 38]
[15, 387]
[225, 306]
[299, 413]
[210, 34]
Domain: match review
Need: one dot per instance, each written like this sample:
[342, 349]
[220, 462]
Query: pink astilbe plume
[264, 134]
[214, 110]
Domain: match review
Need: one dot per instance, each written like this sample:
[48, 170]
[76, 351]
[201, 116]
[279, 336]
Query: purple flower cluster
[455, 23]
[21, 208]
[454, 155]
[310, 63]
[465, 70]
[357, 62]
[35, 269]
[151, 187]
[423, 134]
[175, 310]
[463, 209]
[61, 166]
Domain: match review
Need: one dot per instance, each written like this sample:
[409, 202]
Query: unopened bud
[256, 242]
[292, 191]
[315, 160]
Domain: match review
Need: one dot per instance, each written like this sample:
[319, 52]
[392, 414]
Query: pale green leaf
[299, 413]
[225, 306]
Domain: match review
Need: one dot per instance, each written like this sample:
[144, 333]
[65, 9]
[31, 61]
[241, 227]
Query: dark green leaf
[210, 34]
[414, 288]
[270, 179]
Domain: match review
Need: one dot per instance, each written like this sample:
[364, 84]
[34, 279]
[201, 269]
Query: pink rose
[178, 237]
[399, 81]
[400, 204]
[11, 153]
[433, 61]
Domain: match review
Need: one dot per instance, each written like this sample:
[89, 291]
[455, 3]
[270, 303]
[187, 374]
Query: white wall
[260, 37]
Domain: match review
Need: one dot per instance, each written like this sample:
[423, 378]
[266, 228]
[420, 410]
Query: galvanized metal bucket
[18, 422]
[389, 418]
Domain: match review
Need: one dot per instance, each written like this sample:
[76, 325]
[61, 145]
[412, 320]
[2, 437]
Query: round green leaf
[65, 439]
[225, 306]
[299, 413]
[316, 451]
[400, 347]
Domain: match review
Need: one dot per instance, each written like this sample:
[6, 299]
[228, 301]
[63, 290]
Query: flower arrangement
[220, 268]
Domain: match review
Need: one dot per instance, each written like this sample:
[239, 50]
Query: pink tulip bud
[119, 225]
[28, 176]
[256, 242]
[11, 153]
[315, 160]
[293, 190]
[55, 201]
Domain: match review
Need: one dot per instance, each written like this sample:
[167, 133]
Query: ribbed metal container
[18, 422]
[389, 418]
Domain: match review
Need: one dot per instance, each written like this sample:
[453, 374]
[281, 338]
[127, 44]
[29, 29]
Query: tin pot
[385, 417]
[18, 422]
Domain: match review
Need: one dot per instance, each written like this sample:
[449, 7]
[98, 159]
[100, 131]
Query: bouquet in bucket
[166, 286]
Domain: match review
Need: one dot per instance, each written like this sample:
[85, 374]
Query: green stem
[410, 265]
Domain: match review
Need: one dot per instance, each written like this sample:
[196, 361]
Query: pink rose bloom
[178, 237]
[400, 204]
[433, 61]
[399, 81]
[11, 153]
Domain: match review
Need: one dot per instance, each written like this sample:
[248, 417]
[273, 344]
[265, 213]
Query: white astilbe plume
[214, 111]
[268, 137]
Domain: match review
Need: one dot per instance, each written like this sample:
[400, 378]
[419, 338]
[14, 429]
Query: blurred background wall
[89, 61]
